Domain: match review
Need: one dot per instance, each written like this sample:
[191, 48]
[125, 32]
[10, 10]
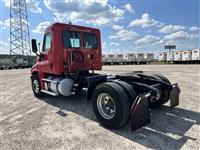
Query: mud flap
[140, 113]
[174, 96]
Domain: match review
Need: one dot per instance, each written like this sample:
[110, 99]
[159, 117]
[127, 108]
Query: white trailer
[178, 56]
[140, 57]
[104, 60]
[162, 56]
[187, 55]
[109, 58]
[196, 54]
[148, 57]
[21, 63]
[170, 56]
[130, 58]
[119, 58]
[5, 61]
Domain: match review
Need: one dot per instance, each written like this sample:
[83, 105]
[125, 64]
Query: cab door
[45, 64]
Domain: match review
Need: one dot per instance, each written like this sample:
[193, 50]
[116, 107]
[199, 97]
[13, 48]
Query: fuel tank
[59, 85]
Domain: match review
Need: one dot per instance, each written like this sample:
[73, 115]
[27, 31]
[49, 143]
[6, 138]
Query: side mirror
[34, 45]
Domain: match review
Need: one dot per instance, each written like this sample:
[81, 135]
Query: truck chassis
[66, 65]
[117, 97]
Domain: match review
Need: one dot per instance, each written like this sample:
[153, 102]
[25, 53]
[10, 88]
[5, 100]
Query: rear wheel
[36, 86]
[111, 105]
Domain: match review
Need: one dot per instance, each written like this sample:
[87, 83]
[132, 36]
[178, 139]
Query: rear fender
[92, 82]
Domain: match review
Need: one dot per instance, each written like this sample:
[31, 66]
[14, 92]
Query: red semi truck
[66, 65]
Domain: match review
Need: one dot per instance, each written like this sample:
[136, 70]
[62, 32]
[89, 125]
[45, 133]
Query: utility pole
[19, 30]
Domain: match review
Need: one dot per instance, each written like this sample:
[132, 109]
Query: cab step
[48, 92]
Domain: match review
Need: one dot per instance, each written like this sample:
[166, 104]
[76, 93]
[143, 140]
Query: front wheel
[111, 105]
[36, 86]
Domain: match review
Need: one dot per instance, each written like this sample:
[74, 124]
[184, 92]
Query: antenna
[19, 29]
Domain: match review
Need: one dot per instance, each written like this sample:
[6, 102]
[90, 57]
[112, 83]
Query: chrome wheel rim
[106, 106]
[36, 86]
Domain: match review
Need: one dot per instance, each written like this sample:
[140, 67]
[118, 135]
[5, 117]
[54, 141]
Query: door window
[47, 42]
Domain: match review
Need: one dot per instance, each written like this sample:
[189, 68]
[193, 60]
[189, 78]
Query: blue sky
[126, 26]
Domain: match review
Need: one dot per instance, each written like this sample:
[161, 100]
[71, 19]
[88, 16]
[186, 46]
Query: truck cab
[69, 48]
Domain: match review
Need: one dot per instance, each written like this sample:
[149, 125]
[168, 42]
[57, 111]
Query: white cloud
[171, 42]
[185, 46]
[113, 44]
[129, 8]
[4, 47]
[3, 44]
[41, 27]
[145, 21]
[97, 12]
[148, 40]
[32, 5]
[180, 35]
[193, 36]
[7, 3]
[5, 23]
[104, 45]
[171, 29]
[125, 35]
[117, 27]
[195, 29]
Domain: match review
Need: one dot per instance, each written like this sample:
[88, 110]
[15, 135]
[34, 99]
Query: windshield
[90, 40]
[71, 39]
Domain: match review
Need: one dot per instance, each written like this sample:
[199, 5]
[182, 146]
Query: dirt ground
[69, 123]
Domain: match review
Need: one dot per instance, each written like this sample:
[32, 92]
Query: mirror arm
[36, 53]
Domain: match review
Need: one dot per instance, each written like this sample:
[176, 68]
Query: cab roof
[63, 25]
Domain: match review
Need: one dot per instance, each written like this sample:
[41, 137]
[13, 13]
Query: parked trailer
[140, 58]
[129, 58]
[16, 61]
[104, 60]
[178, 56]
[170, 56]
[4, 63]
[148, 57]
[22, 63]
[187, 56]
[162, 56]
[196, 54]
[115, 98]
[118, 59]
[110, 59]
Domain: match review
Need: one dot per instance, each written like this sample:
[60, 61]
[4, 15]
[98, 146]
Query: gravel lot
[69, 123]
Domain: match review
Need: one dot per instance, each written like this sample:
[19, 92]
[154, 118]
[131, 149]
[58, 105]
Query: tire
[129, 91]
[36, 86]
[121, 102]
[164, 97]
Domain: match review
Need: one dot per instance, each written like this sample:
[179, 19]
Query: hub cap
[36, 86]
[106, 106]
